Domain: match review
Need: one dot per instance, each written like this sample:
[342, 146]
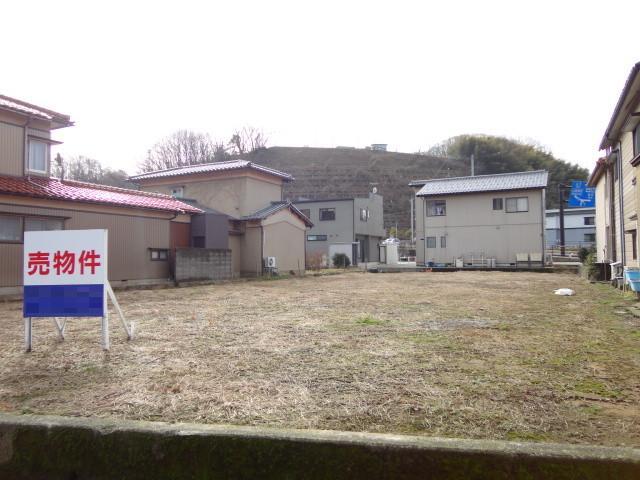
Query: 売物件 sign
[65, 273]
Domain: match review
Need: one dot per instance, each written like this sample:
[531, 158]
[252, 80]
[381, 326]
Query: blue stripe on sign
[63, 301]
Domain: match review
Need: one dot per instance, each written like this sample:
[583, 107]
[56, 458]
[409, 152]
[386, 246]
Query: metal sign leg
[60, 327]
[105, 331]
[28, 333]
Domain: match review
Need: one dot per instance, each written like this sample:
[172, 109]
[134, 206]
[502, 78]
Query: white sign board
[65, 273]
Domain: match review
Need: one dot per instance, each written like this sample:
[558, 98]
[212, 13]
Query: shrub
[584, 252]
[589, 263]
[341, 260]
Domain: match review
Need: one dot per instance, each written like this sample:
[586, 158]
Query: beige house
[615, 179]
[261, 226]
[143, 227]
[481, 221]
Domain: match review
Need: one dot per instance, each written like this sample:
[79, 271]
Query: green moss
[591, 409]
[597, 388]
[527, 436]
[369, 320]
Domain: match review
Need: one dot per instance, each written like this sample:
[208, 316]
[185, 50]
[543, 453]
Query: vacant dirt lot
[483, 355]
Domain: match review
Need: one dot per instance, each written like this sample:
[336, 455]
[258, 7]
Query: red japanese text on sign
[63, 262]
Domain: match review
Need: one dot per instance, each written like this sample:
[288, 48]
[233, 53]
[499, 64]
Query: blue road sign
[581, 195]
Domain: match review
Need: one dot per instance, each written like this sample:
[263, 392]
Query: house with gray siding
[579, 227]
[483, 220]
[344, 225]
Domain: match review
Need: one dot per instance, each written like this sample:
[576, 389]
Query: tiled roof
[71, 190]
[485, 183]
[276, 207]
[211, 167]
[25, 108]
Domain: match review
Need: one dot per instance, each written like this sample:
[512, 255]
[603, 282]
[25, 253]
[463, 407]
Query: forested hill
[341, 172]
[346, 172]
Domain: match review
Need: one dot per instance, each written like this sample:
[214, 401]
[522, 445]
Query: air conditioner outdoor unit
[271, 262]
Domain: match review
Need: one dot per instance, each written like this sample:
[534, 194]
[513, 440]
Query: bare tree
[247, 140]
[87, 169]
[181, 149]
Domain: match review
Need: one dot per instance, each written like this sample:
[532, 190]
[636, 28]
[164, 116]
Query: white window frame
[47, 153]
[159, 254]
[429, 240]
[518, 208]
[436, 208]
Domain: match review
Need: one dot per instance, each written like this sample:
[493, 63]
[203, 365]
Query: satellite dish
[375, 190]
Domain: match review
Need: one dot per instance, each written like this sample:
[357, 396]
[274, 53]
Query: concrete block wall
[203, 264]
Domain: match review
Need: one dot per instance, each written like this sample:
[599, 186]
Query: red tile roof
[71, 190]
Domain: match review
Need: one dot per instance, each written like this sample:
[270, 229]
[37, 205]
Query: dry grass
[483, 355]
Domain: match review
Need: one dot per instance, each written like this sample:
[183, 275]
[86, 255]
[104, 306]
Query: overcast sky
[324, 73]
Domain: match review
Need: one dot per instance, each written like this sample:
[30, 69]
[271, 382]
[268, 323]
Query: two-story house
[247, 197]
[345, 225]
[491, 220]
[140, 224]
[615, 179]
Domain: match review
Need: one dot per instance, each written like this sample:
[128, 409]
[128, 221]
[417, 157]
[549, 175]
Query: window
[431, 242]
[38, 156]
[34, 224]
[159, 254]
[327, 214]
[436, 208]
[177, 192]
[636, 141]
[364, 214]
[634, 244]
[10, 228]
[517, 204]
[316, 238]
[306, 212]
[443, 242]
[589, 220]
[497, 204]
[589, 237]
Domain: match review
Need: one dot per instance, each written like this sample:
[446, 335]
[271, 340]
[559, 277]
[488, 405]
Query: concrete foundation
[39, 447]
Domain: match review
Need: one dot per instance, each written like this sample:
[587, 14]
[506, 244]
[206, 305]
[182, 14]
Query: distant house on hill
[484, 220]
[345, 225]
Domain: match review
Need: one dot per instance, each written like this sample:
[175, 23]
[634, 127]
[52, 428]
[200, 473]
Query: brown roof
[599, 169]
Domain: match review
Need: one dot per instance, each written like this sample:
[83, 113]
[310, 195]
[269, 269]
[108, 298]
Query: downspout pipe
[623, 253]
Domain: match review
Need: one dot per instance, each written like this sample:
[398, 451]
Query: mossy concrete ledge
[48, 447]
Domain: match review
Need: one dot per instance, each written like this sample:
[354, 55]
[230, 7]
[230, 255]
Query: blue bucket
[632, 277]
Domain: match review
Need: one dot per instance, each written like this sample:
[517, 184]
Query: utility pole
[561, 188]
[411, 203]
[473, 165]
